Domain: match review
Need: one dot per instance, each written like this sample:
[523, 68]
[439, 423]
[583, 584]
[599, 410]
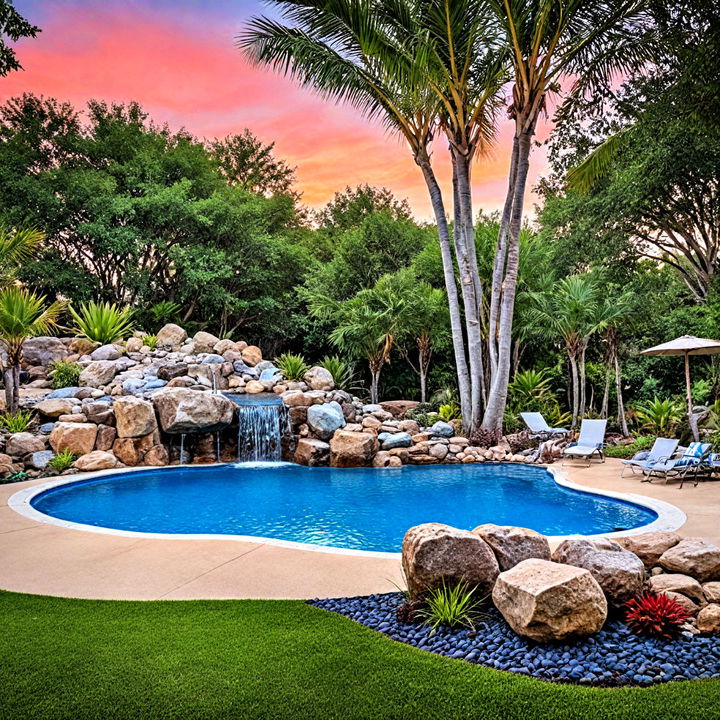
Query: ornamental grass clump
[655, 615]
[451, 606]
[62, 461]
[16, 422]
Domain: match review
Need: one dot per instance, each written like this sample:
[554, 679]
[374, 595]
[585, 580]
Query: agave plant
[342, 371]
[293, 367]
[660, 417]
[102, 322]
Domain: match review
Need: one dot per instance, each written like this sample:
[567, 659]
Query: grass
[65, 658]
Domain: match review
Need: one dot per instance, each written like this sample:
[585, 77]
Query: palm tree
[16, 246]
[22, 315]
[587, 41]
[390, 60]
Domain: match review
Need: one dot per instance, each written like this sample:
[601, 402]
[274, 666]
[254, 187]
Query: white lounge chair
[538, 425]
[590, 443]
[662, 450]
[691, 462]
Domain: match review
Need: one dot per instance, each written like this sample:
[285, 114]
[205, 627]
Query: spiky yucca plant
[102, 322]
[293, 367]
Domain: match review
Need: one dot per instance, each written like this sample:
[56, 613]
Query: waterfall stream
[262, 422]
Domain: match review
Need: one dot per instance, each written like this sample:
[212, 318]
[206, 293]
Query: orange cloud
[186, 71]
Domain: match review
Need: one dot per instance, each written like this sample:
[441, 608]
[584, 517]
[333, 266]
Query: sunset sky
[177, 58]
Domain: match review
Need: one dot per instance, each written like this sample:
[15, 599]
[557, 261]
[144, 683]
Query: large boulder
[297, 398]
[23, 443]
[399, 408]
[318, 378]
[620, 573]
[695, 557]
[98, 373]
[512, 545]
[43, 350]
[55, 407]
[168, 372]
[433, 554]
[548, 601]
[96, 460]
[78, 438]
[134, 417]
[684, 584]
[132, 451]
[311, 452]
[389, 441]
[170, 336]
[352, 449]
[205, 342]
[252, 355]
[442, 429]
[106, 352]
[708, 619]
[711, 591]
[325, 419]
[649, 546]
[99, 412]
[182, 410]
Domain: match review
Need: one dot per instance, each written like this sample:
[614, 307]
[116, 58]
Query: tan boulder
[54, 407]
[711, 591]
[73, 417]
[548, 601]
[170, 336]
[512, 545]
[223, 346]
[649, 546]
[433, 554]
[253, 387]
[134, 416]
[351, 449]
[23, 443]
[620, 573]
[105, 437]
[318, 378]
[695, 557]
[132, 451]
[708, 619]
[399, 408]
[182, 410]
[672, 582]
[252, 355]
[77, 438]
[297, 398]
[96, 460]
[205, 342]
[98, 373]
[133, 345]
[683, 600]
[157, 455]
[311, 452]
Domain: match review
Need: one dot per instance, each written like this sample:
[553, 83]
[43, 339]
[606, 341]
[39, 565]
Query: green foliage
[660, 417]
[163, 313]
[62, 461]
[150, 341]
[640, 443]
[449, 411]
[64, 374]
[293, 367]
[451, 606]
[17, 246]
[13, 27]
[702, 391]
[342, 371]
[16, 422]
[102, 322]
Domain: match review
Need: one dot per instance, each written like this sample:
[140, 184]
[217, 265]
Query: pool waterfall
[263, 420]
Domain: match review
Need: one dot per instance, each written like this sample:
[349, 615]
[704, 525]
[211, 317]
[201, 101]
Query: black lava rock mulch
[614, 656]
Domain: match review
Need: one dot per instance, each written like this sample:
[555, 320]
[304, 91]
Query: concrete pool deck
[51, 560]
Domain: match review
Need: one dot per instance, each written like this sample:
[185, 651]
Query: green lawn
[270, 659]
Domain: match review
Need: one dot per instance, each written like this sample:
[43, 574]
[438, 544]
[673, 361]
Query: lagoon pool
[357, 509]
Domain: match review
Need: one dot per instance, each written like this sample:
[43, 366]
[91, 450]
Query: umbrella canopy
[687, 345]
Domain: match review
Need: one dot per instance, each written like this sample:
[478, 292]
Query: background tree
[13, 26]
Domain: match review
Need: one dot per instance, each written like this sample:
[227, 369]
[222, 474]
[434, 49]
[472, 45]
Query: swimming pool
[359, 509]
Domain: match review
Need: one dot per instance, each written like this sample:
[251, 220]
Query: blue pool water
[363, 509]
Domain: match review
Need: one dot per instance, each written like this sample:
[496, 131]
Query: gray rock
[388, 441]
[168, 372]
[512, 545]
[60, 393]
[319, 378]
[442, 429]
[325, 419]
[155, 384]
[46, 428]
[106, 352]
[270, 374]
[44, 350]
[133, 385]
[369, 409]
[98, 372]
[211, 359]
[264, 365]
[242, 369]
[39, 460]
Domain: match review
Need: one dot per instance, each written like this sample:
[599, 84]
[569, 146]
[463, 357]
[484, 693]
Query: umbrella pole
[688, 386]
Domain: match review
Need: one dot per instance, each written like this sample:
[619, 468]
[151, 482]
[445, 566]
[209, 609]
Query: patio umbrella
[686, 345]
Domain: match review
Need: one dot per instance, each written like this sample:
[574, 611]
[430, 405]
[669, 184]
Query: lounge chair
[662, 450]
[590, 443]
[538, 426]
[690, 462]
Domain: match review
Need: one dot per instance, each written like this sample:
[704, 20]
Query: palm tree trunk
[581, 368]
[604, 408]
[11, 378]
[498, 391]
[424, 355]
[575, 388]
[374, 382]
[620, 404]
[464, 237]
[461, 367]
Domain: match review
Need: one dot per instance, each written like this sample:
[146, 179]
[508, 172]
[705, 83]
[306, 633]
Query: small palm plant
[16, 246]
[342, 371]
[22, 315]
[451, 606]
[102, 322]
[163, 313]
[660, 417]
[293, 367]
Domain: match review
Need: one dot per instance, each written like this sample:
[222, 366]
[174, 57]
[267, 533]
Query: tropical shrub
[644, 442]
[449, 411]
[62, 461]
[702, 391]
[293, 367]
[102, 322]
[16, 422]
[659, 417]
[451, 606]
[342, 371]
[163, 313]
[150, 341]
[656, 615]
[64, 374]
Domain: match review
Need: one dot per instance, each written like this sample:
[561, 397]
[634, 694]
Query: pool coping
[669, 517]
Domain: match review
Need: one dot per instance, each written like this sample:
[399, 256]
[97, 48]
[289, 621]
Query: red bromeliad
[656, 615]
